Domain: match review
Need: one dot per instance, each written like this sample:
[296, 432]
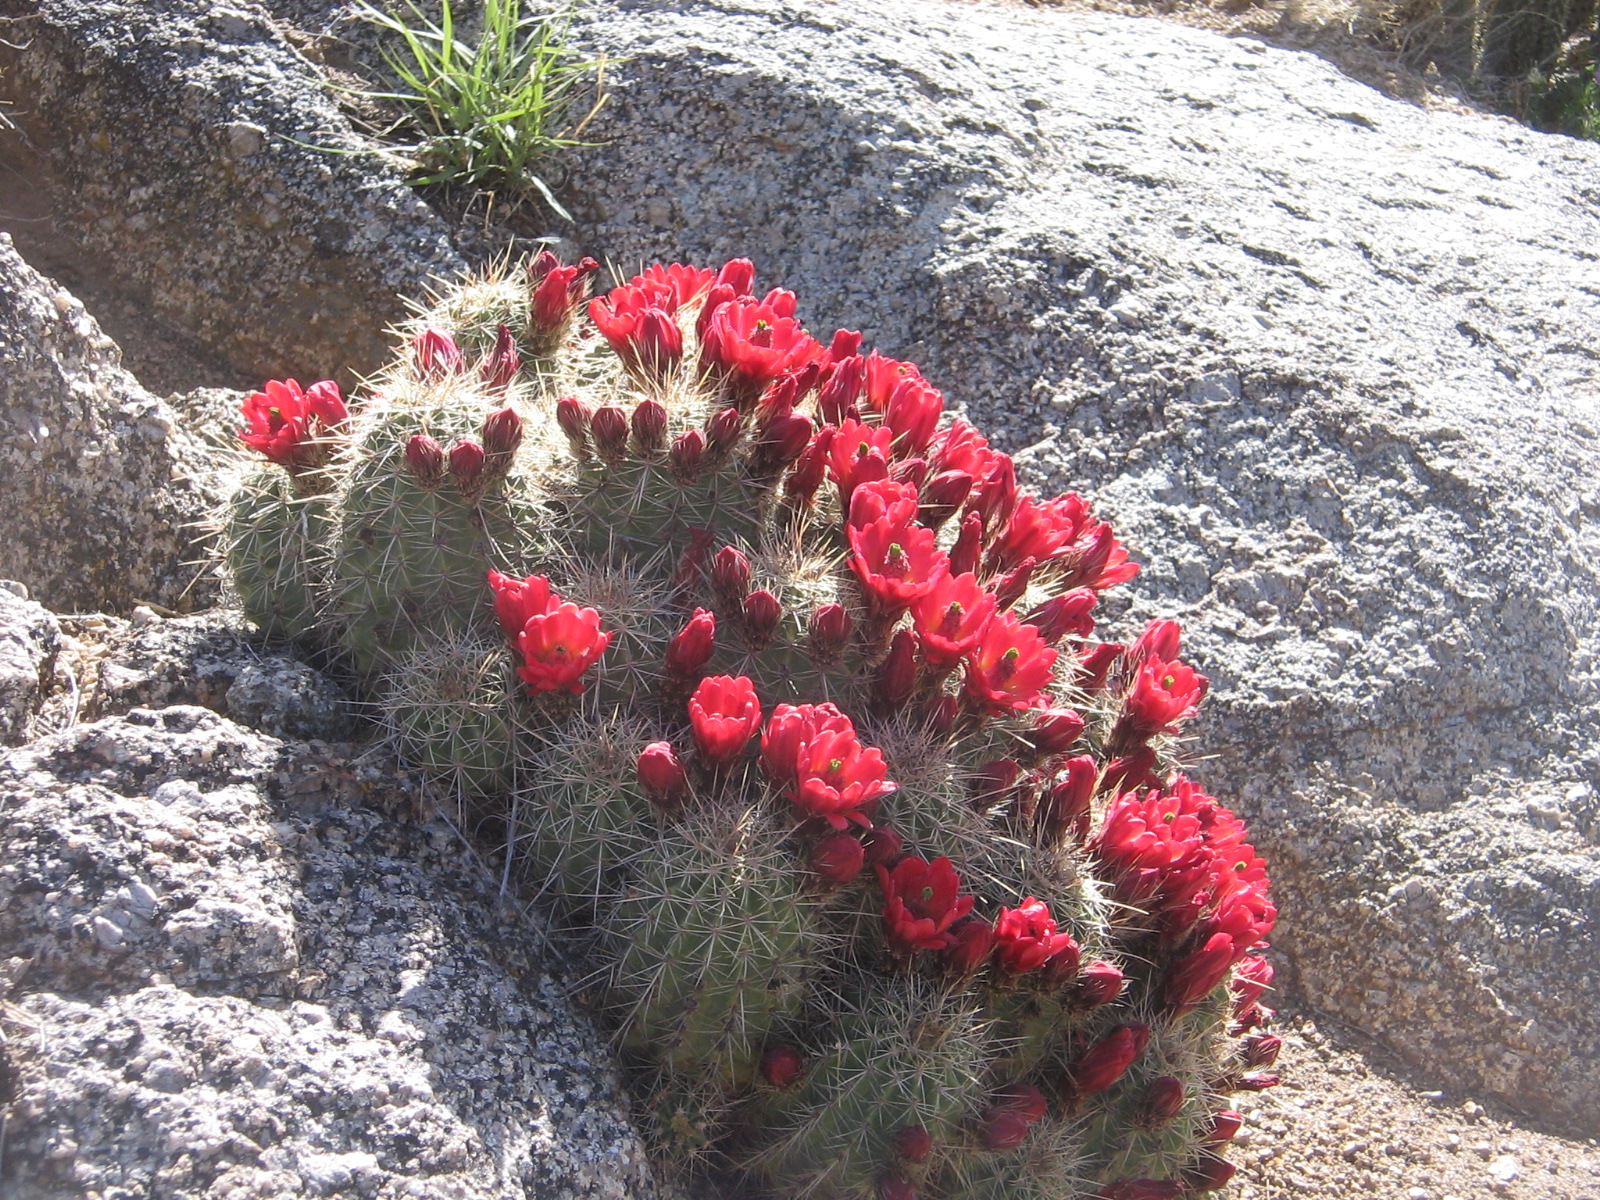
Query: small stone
[1505, 1169]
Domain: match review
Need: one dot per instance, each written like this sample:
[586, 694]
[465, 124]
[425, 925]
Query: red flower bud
[895, 1187]
[897, 674]
[941, 715]
[837, 859]
[657, 346]
[649, 426]
[425, 458]
[1055, 731]
[436, 356]
[912, 471]
[809, 470]
[687, 455]
[783, 441]
[1009, 587]
[502, 434]
[829, 633]
[1102, 1064]
[1251, 978]
[1257, 1081]
[573, 416]
[1099, 984]
[1003, 1129]
[1211, 1172]
[690, 648]
[1095, 663]
[1140, 1189]
[968, 549]
[503, 363]
[941, 496]
[1222, 1127]
[972, 941]
[1130, 773]
[1162, 1101]
[738, 274]
[913, 1143]
[762, 612]
[1260, 1049]
[466, 468]
[661, 774]
[1064, 615]
[609, 425]
[722, 432]
[1023, 1098]
[781, 1066]
[992, 784]
[883, 846]
[730, 579]
[1066, 807]
[1160, 639]
[724, 714]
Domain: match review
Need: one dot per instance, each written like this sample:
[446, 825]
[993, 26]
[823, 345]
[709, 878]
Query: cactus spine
[784, 700]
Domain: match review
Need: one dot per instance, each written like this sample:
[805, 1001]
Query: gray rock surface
[1328, 360]
[226, 979]
[30, 639]
[104, 493]
[168, 135]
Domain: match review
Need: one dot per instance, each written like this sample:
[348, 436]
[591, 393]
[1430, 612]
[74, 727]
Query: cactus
[785, 701]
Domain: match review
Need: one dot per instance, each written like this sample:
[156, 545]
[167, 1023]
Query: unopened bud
[1008, 589]
[972, 941]
[845, 344]
[1256, 1081]
[895, 1187]
[1004, 1129]
[730, 579]
[609, 425]
[911, 470]
[1162, 1101]
[783, 441]
[503, 363]
[941, 715]
[940, 496]
[781, 1066]
[1068, 614]
[829, 633]
[573, 416]
[690, 649]
[838, 859]
[1103, 1063]
[913, 1143]
[964, 555]
[897, 674]
[657, 345]
[720, 294]
[722, 432]
[762, 612]
[1222, 1127]
[502, 434]
[466, 468]
[809, 469]
[884, 847]
[1260, 1049]
[662, 775]
[435, 356]
[687, 455]
[1095, 663]
[425, 458]
[993, 782]
[739, 274]
[1055, 731]
[1099, 984]
[1212, 1171]
[1066, 808]
[649, 426]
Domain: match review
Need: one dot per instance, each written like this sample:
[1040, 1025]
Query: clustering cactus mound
[785, 700]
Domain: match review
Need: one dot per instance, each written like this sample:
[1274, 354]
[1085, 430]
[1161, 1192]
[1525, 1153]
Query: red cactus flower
[1162, 695]
[673, 286]
[1102, 1064]
[559, 647]
[837, 859]
[691, 647]
[517, 601]
[1026, 937]
[1191, 979]
[922, 901]
[782, 1066]
[1069, 614]
[285, 422]
[950, 620]
[1161, 640]
[1009, 667]
[912, 412]
[897, 562]
[724, 714]
[789, 730]
[836, 777]
[1260, 1049]
[557, 291]
[971, 942]
[644, 334]
[1251, 978]
[435, 356]
[662, 775]
[1222, 1127]
[913, 1143]
[857, 454]
[746, 345]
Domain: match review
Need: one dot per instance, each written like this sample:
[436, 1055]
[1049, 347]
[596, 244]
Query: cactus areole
[785, 699]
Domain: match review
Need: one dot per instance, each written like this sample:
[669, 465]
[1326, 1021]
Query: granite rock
[30, 640]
